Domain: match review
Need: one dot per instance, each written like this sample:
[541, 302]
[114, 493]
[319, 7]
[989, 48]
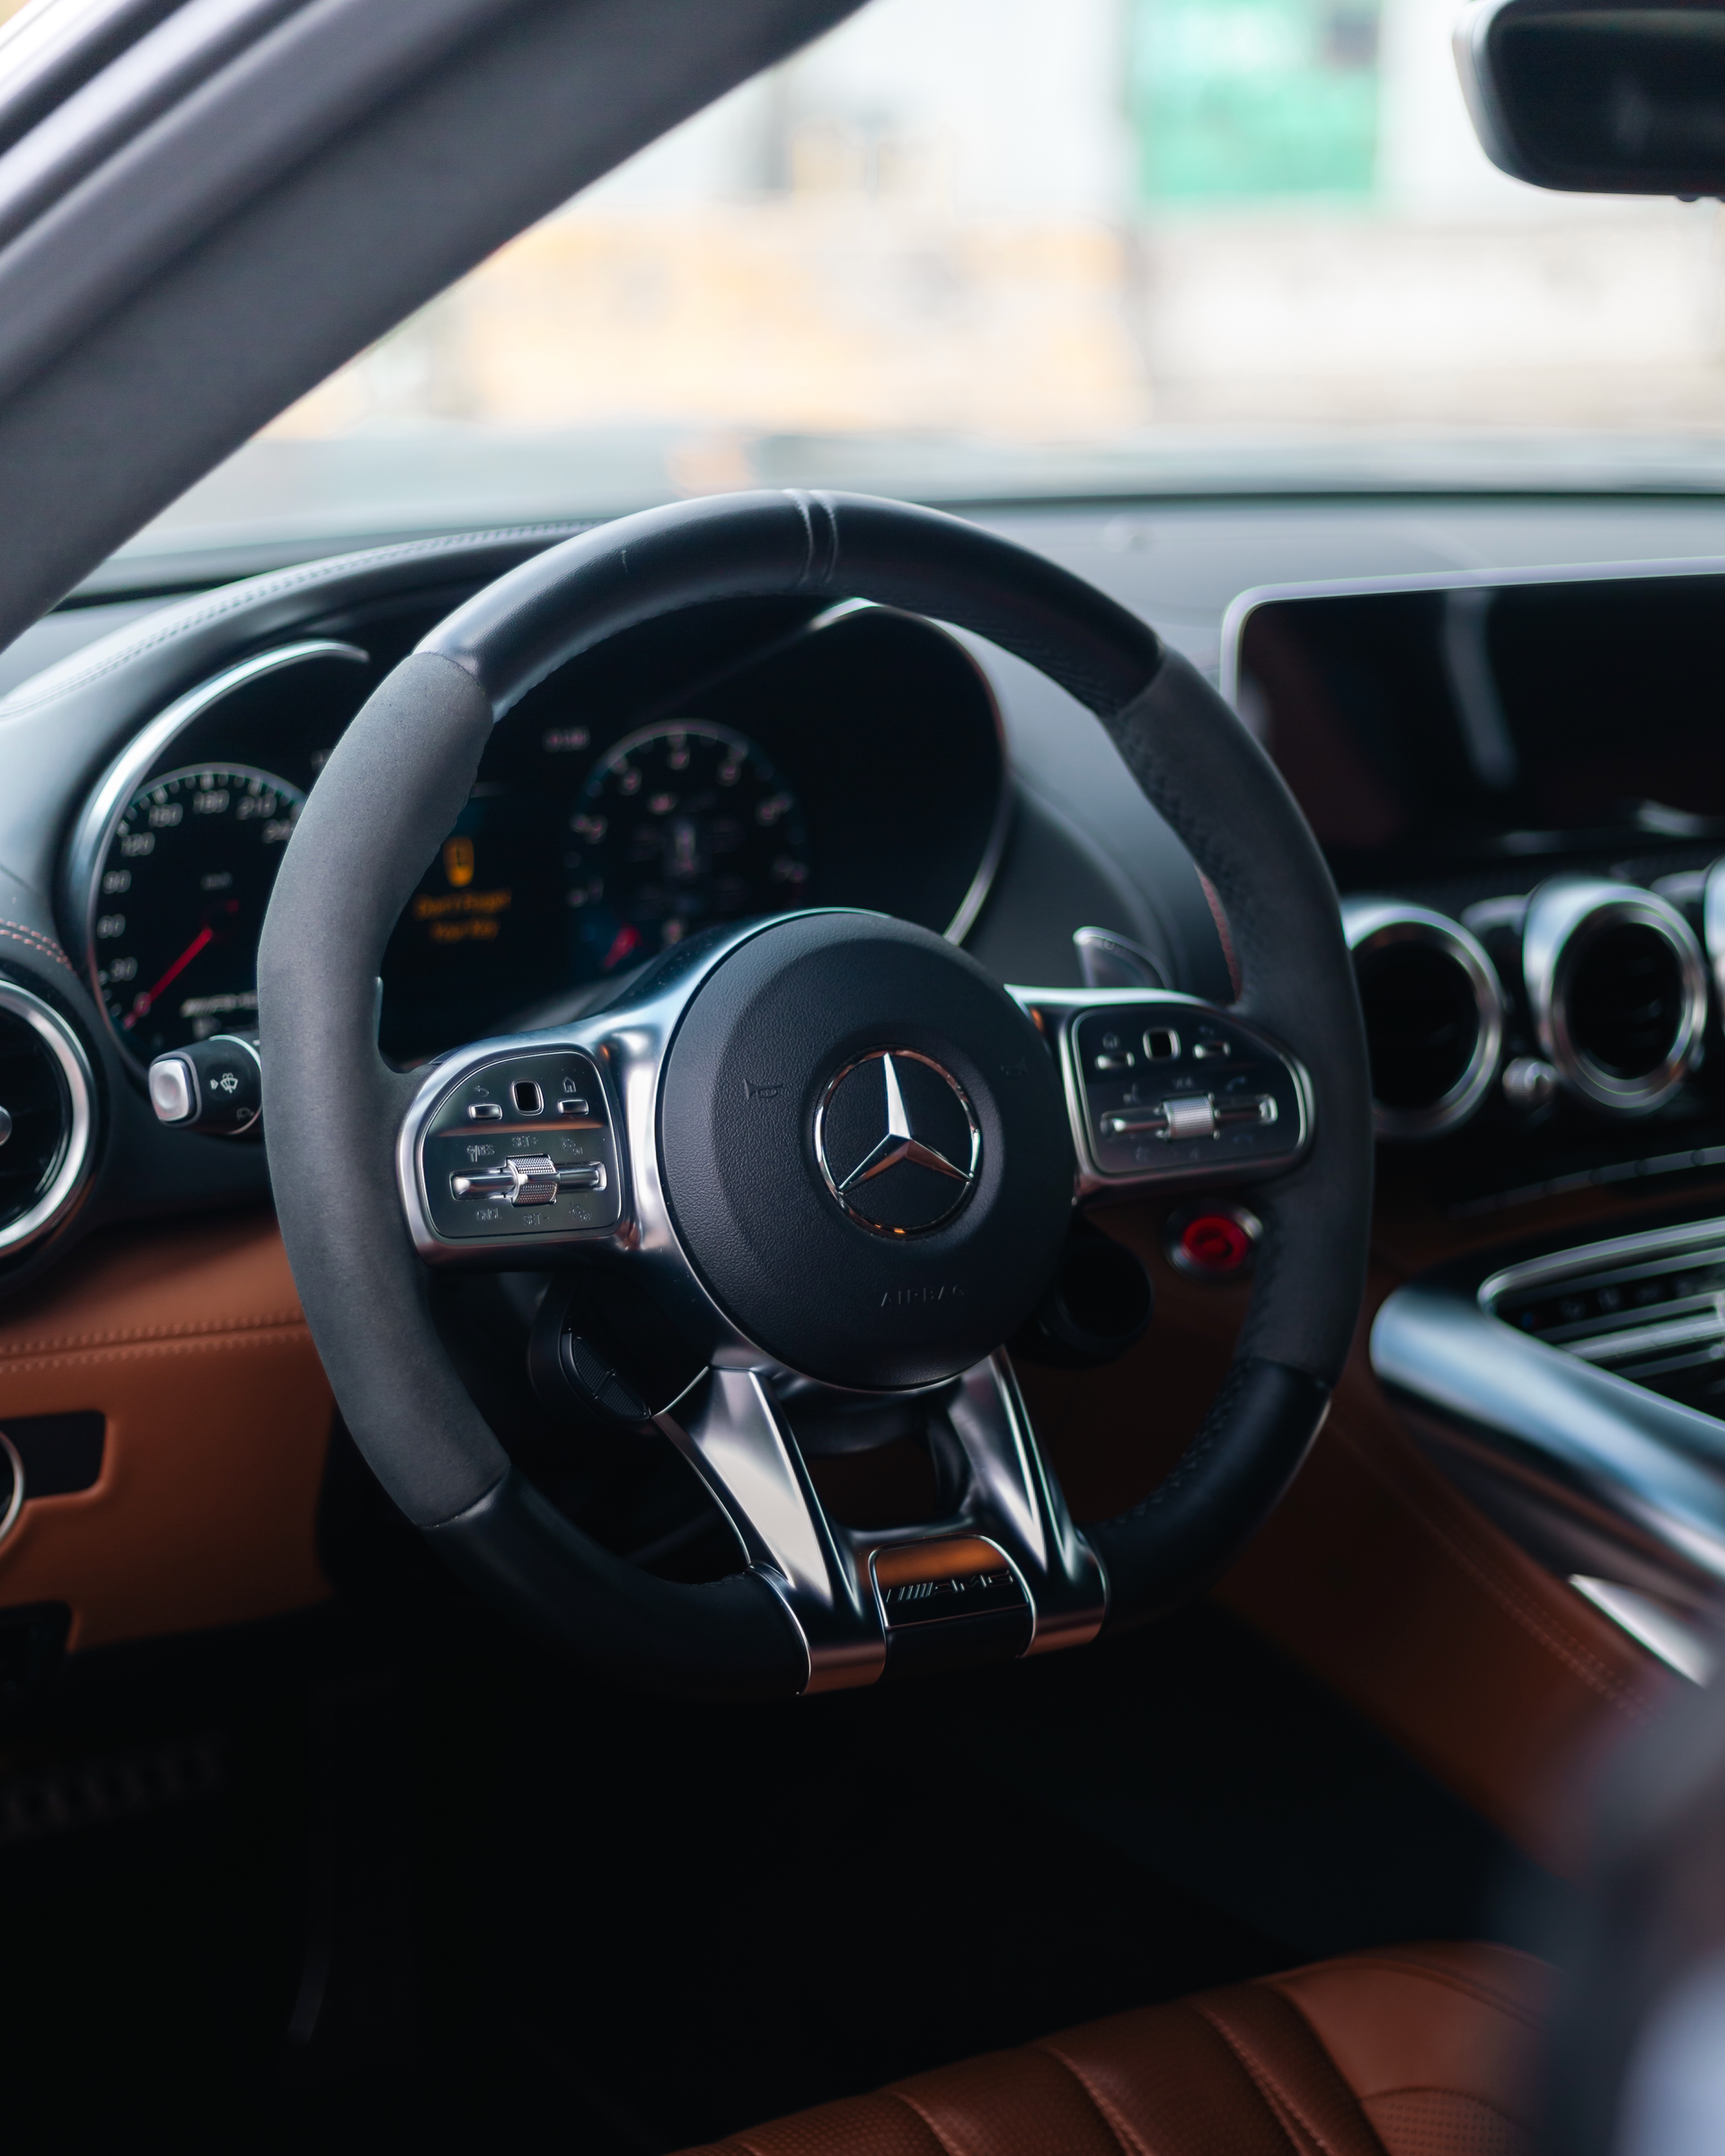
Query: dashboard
[1498, 714]
[1460, 737]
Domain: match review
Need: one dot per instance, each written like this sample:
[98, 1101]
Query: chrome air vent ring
[1434, 1016]
[46, 1117]
[1617, 990]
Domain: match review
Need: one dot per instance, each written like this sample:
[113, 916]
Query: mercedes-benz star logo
[897, 1142]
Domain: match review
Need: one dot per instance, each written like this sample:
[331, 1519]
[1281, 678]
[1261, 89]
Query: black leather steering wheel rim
[391, 792]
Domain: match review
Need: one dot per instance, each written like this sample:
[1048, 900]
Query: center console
[1519, 784]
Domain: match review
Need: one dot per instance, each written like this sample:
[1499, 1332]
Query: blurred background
[964, 249]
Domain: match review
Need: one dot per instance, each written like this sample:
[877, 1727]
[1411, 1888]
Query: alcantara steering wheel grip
[827, 1145]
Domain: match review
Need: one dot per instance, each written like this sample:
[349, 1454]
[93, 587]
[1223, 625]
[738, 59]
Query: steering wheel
[822, 1154]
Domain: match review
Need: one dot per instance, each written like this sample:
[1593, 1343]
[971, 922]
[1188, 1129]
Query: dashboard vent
[1626, 1000]
[1649, 1308]
[44, 1117]
[1434, 1016]
[1616, 988]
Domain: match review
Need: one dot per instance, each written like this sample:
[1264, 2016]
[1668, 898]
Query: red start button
[1214, 1244]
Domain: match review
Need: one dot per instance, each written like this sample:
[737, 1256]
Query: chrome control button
[171, 1092]
[1201, 1116]
[493, 1182]
[51, 1100]
[1189, 1119]
[1528, 1083]
[528, 1178]
[534, 1176]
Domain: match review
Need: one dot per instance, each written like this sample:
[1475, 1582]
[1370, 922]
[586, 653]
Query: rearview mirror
[1599, 96]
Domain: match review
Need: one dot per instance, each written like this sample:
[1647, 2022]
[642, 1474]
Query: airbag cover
[891, 1046]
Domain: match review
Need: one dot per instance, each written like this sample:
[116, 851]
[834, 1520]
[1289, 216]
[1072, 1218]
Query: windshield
[966, 250]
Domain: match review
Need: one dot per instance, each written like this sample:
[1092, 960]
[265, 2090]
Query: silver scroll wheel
[6, 1125]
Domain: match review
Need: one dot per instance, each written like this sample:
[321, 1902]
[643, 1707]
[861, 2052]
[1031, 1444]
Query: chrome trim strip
[994, 845]
[1649, 1460]
[15, 1503]
[1601, 1257]
[993, 848]
[94, 830]
[67, 1051]
[1373, 924]
[1565, 915]
[1629, 1340]
[1677, 1645]
[1712, 925]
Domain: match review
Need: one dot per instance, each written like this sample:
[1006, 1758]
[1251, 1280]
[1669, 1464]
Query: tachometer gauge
[681, 825]
[178, 903]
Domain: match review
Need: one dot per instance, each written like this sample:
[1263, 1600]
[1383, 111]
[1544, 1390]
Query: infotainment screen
[1432, 727]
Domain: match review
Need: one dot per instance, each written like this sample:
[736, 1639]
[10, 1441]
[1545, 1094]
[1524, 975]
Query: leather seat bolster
[1408, 2052]
[1439, 2032]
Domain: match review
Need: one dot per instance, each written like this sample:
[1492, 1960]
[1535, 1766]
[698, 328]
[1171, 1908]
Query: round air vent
[1617, 988]
[1434, 1015]
[45, 1123]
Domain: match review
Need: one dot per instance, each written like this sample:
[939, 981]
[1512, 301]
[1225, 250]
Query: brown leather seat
[1413, 2050]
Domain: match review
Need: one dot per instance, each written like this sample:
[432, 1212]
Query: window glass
[964, 248]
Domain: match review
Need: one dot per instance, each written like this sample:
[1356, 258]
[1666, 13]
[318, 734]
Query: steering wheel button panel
[1211, 1099]
[1189, 1114]
[528, 1173]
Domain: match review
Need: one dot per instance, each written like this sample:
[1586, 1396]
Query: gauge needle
[142, 1004]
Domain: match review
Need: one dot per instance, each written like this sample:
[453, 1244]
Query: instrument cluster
[736, 761]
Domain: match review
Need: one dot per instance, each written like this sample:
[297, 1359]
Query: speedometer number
[194, 854]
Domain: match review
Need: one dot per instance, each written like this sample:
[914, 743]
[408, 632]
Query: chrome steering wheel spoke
[1002, 1572]
[1168, 1090]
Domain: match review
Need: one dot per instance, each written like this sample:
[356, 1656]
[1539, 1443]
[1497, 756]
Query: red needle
[142, 1004]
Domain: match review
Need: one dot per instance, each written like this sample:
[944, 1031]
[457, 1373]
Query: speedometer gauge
[679, 827]
[178, 900]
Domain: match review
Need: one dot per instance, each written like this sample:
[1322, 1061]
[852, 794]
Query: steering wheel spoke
[1001, 1573]
[1166, 1089]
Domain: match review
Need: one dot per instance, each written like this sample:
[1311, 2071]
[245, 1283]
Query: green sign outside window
[1255, 97]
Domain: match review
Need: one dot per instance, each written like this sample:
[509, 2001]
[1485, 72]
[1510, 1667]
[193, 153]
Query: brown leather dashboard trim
[188, 1340]
[1377, 1573]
